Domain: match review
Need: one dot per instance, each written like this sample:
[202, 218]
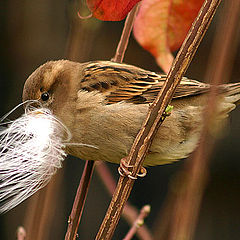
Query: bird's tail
[229, 99]
[232, 92]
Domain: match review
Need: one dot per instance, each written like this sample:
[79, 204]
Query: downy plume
[31, 150]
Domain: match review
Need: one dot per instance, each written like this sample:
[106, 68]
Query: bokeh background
[33, 32]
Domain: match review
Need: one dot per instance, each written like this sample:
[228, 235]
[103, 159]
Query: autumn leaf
[162, 25]
[111, 10]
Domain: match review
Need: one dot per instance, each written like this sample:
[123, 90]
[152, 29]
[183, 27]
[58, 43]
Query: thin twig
[155, 117]
[188, 199]
[74, 219]
[123, 43]
[81, 194]
[130, 213]
[138, 222]
[79, 46]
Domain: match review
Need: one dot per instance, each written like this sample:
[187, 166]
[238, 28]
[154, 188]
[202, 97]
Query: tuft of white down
[31, 150]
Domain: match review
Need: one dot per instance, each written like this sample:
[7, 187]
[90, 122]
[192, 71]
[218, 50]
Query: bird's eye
[45, 96]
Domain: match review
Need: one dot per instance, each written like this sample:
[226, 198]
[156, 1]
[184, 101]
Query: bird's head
[50, 84]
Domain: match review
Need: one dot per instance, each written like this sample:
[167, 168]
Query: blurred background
[33, 32]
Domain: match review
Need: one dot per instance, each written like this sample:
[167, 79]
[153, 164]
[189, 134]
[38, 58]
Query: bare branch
[81, 194]
[130, 213]
[188, 199]
[122, 45]
[74, 219]
[155, 116]
[79, 46]
[138, 222]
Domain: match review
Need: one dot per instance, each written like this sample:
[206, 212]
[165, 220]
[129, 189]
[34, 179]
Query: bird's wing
[122, 82]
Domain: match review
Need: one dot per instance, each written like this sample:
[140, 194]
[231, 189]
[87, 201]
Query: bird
[103, 104]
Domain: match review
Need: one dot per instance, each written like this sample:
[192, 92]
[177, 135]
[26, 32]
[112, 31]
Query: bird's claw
[124, 170]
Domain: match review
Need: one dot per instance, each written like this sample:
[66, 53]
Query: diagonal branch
[123, 43]
[179, 214]
[188, 198]
[130, 213]
[155, 116]
[138, 222]
[74, 218]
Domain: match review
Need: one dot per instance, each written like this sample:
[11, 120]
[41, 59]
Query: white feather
[31, 150]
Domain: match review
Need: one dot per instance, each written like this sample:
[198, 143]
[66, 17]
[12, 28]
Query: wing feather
[122, 82]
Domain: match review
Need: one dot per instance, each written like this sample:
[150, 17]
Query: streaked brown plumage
[104, 103]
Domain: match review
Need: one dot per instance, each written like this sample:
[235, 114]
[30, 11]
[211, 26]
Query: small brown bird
[104, 103]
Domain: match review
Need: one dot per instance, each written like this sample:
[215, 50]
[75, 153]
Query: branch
[155, 117]
[122, 45]
[188, 198]
[138, 222]
[74, 219]
[82, 191]
[130, 213]
[79, 46]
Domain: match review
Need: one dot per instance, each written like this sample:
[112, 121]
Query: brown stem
[79, 46]
[74, 219]
[154, 117]
[130, 213]
[123, 43]
[138, 222]
[79, 201]
[188, 199]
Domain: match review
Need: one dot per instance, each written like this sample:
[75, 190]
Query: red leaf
[162, 25]
[111, 10]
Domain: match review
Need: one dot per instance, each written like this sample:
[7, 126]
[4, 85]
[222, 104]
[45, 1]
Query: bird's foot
[126, 170]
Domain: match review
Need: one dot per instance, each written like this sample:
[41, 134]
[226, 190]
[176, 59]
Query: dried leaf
[162, 25]
[111, 10]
